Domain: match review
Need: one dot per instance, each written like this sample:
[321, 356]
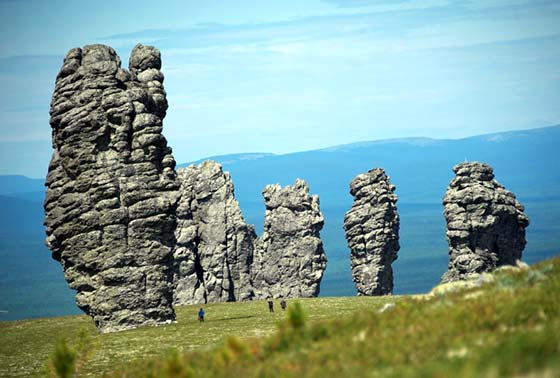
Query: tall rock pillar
[485, 223]
[372, 232]
[214, 251]
[111, 187]
[289, 257]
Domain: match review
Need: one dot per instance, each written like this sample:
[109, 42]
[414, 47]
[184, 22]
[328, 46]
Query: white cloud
[374, 70]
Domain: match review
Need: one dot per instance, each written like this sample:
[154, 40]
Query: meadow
[509, 326]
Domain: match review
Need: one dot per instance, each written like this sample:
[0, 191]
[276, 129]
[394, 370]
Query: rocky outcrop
[111, 187]
[214, 250]
[372, 232]
[289, 257]
[485, 223]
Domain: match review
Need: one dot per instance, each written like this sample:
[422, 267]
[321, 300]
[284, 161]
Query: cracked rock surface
[214, 250]
[485, 223]
[111, 187]
[372, 232]
[289, 257]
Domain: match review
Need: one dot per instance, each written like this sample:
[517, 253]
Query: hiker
[201, 315]
[283, 304]
[270, 305]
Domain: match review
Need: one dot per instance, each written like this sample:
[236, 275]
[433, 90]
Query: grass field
[507, 327]
[25, 345]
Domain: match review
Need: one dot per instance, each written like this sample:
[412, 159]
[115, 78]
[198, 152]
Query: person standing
[201, 315]
[270, 305]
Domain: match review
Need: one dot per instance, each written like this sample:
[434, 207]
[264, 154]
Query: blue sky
[285, 76]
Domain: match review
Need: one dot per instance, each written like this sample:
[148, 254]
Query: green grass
[26, 345]
[510, 327]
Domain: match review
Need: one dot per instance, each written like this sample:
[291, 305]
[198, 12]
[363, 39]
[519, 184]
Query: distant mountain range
[19, 184]
[525, 162]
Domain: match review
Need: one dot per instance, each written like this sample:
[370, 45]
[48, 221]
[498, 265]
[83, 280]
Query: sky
[292, 75]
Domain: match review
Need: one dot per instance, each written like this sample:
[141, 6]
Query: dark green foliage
[296, 317]
[67, 360]
[63, 359]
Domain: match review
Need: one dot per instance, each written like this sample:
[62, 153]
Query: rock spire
[214, 252]
[372, 232]
[111, 187]
[485, 223]
[289, 256]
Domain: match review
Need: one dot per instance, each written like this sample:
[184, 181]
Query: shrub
[296, 317]
[63, 360]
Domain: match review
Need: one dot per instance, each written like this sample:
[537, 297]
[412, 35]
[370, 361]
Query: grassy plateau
[507, 324]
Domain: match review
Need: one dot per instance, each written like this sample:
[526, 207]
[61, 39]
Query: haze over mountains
[525, 162]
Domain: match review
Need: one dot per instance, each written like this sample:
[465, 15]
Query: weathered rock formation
[214, 250]
[111, 187]
[289, 257]
[485, 223]
[372, 232]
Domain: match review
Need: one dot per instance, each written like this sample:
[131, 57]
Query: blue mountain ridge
[525, 162]
[16, 184]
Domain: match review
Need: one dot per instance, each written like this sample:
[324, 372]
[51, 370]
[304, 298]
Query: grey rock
[485, 223]
[111, 187]
[471, 282]
[214, 252]
[387, 307]
[289, 257]
[372, 232]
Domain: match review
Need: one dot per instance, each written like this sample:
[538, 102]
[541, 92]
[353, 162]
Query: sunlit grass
[26, 345]
[509, 327]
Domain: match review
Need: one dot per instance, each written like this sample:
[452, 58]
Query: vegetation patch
[508, 326]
